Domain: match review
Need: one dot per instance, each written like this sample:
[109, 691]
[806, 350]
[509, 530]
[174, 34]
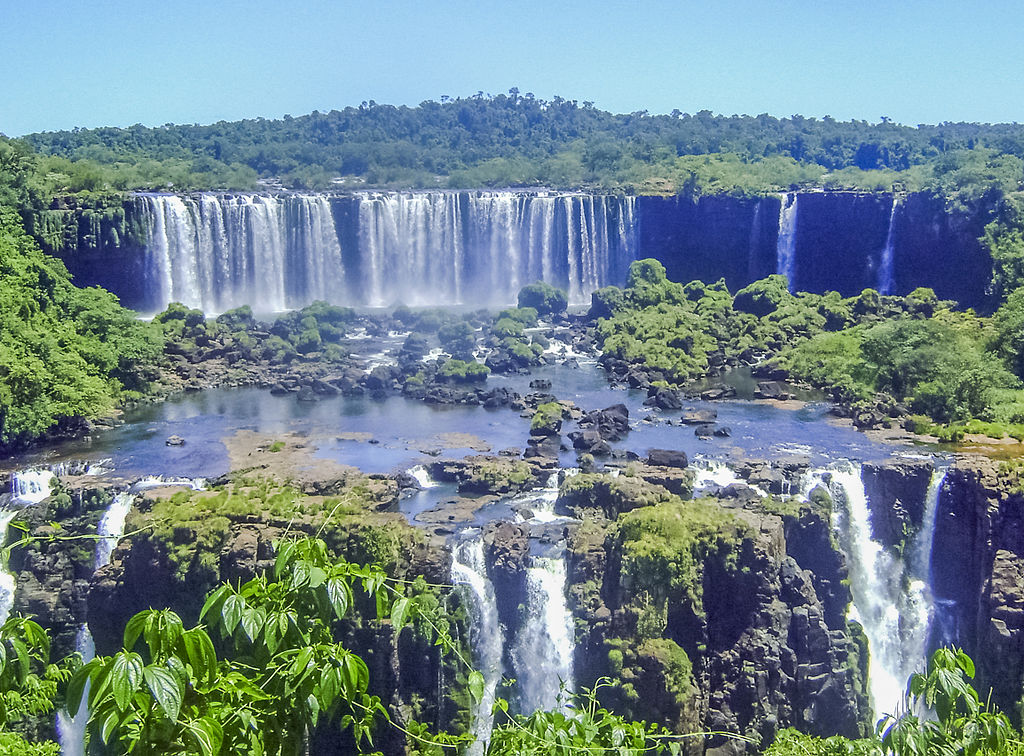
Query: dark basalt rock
[667, 458]
[590, 442]
[506, 552]
[699, 417]
[771, 390]
[664, 398]
[545, 447]
[896, 492]
[612, 422]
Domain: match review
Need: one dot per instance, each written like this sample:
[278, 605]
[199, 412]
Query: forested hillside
[518, 139]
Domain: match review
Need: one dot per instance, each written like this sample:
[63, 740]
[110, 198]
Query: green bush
[65, 352]
[459, 371]
[543, 297]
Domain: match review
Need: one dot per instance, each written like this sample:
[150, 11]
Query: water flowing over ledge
[276, 252]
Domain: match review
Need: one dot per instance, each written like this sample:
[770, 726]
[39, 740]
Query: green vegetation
[547, 420]
[955, 371]
[517, 139]
[543, 297]
[665, 546]
[459, 371]
[65, 353]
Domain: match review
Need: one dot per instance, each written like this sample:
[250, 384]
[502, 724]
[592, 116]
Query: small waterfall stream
[885, 268]
[543, 650]
[785, 249]
[31, 486]
[891, 597]
[469, 572]
[71, 728]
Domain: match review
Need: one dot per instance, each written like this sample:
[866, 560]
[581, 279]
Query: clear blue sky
[95, 63]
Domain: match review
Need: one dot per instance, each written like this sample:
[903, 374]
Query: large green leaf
[476, 686]
[166, 689]
[200, 653]
[208, 734]
[399, 610]
[231, 612]
[134, 628]
[125, 677]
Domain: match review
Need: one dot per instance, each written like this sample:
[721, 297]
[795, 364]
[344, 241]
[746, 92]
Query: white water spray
[71, 728]
[785, 249]
[469, 573]
[544, 645]
[885, 269]
[31, 486]
[891, 598]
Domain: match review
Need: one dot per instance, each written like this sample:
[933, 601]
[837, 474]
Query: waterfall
[31, 486]
[469, 572]
[422, 476]
[891, 598]
[885, 269]
[71, 728]
[785, 250]
[111, 527]
[158, 481]
[543, 650]
[215, 252]
[7, 579]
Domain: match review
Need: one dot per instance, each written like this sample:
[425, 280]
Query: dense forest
[519, 140]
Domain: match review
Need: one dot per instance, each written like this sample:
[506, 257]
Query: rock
[174, 441]
[506, 551]
[722, 431]
[664, 398]
[547, 447]
[896, 490]
[612, 422]
[589, 442]
[540, 384]
[306, 394]
[501, 396]
[699, 417]
[323, 388]
[704, 430]
[667, 458]
[771, 390]
[717, 393]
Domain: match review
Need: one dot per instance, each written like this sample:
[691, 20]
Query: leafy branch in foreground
[281, 674]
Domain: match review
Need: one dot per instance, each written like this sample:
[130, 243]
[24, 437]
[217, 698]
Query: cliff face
[743, 630]
[978, 575]
[839, 243]
[840, 238]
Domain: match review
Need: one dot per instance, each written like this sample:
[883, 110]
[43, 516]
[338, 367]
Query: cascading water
[71, 728]
[420, 474]
[7, 579]
[544, 645]
[785, 249]
[469, 571]
[543, 650]
[891, 598]
[31, 486]
[215, 251]
[885, 268]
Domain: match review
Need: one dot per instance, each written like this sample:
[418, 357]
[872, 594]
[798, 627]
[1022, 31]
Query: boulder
[667, 458]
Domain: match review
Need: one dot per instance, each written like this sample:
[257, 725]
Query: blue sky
[99, 63]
